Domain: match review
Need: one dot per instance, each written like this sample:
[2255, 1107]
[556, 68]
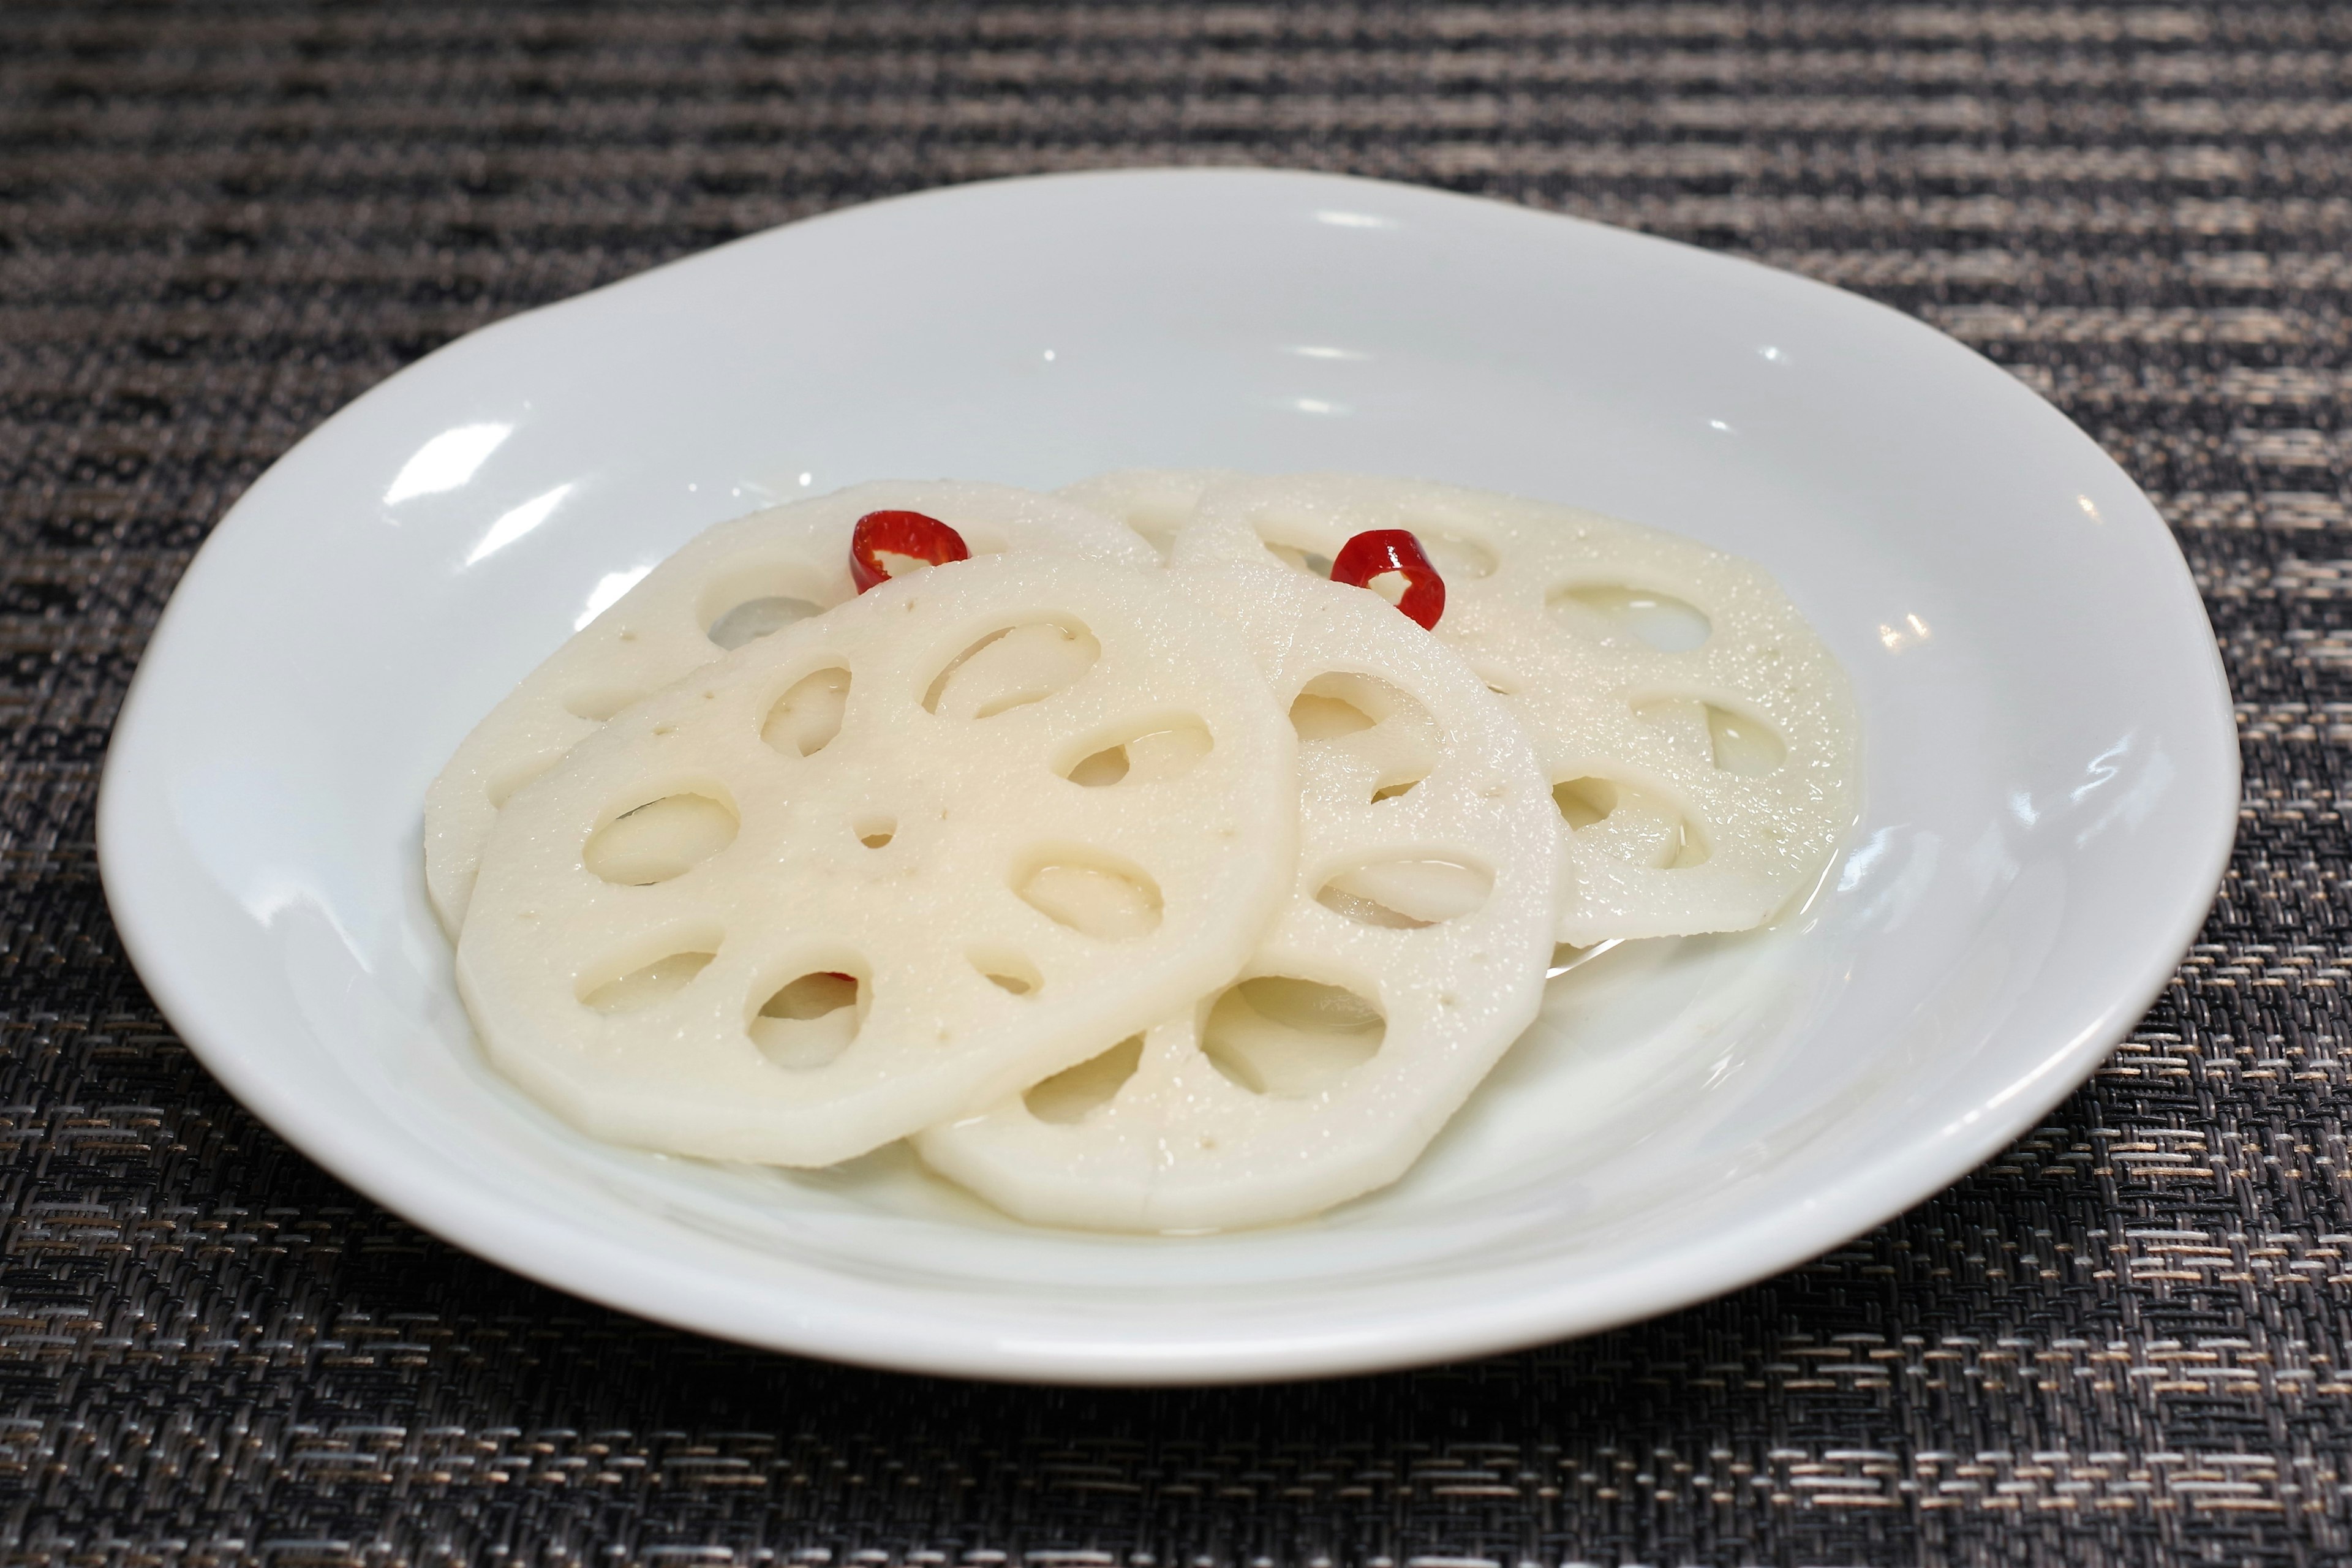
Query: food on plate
[725, 587]
[1384, 559]
[1177, 852]
[1700, 740]
[1408, 954]
[894, 861]
[889, 543]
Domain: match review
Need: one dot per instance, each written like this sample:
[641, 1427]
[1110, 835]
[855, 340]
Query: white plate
[2051, 789]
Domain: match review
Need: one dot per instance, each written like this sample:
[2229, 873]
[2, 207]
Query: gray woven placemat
[2127, 1341]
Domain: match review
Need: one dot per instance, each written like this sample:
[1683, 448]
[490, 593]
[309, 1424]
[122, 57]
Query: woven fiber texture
[2129, 1341]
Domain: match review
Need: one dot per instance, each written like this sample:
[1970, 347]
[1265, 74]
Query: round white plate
[2051, 789]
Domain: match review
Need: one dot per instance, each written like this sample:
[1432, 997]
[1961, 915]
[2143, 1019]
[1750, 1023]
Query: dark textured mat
[2124, 1341]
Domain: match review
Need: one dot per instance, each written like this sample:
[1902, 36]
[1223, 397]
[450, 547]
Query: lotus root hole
[1406, 895]
[1304, 558]
[1613, 612]
[651, 983]
[1012, 669]
[1290, 1038]
[755, 618]
[1092, 895]
[1165, 750]
[1501, 682]
[1371, 724]
[808, 715]
[1158, 523]
[1741, 745]
[1735, 742]
[1583, 802]
[1008, 972]
[1457, 560]
[660, 839]
[1339, 703]
[876, 832]
[598, 703]
[1317, 717]
[1629, 823]
[809, 1021]
[1070, 1095]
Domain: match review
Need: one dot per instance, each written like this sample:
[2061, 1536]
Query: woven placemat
[2127, 1341]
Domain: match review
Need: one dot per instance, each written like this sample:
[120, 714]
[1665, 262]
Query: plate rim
[1667, 1279]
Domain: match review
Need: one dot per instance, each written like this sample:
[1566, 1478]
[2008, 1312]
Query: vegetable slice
[1408, 954]
[695, 935]
[729, 584]
[1656, 676]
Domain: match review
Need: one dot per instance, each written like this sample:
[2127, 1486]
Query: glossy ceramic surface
[2050, 794]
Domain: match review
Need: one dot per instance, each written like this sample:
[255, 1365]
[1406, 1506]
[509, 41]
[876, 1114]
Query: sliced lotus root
[728, 586]
[843, 884]
[1700, 738]
[1409, 954]
[1155, 502]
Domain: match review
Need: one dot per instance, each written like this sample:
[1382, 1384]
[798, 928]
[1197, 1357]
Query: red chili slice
[899, 533]
[1380, 551]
